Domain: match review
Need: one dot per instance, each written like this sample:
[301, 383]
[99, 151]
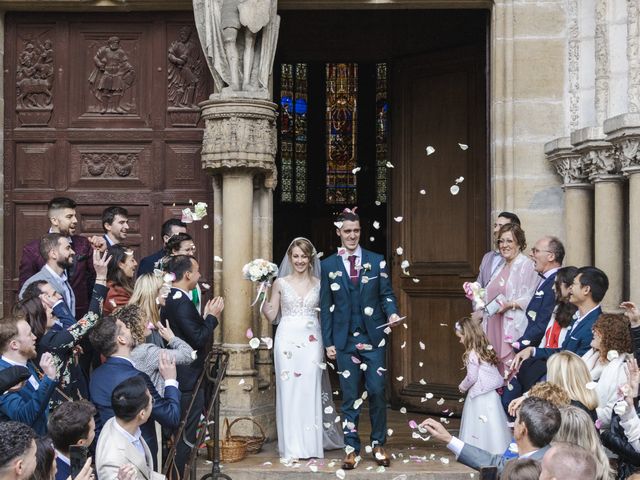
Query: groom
[356, 297]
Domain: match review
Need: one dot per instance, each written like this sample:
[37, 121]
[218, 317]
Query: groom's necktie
[353, 273]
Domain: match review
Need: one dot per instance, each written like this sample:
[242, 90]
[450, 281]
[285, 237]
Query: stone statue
[239, 40]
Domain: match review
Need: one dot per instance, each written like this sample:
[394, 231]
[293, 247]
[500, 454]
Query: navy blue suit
[352, 323]
[113, 372]
[63, 471]
[29, 405]
[542, 303]
[148, 264]
[578, 339]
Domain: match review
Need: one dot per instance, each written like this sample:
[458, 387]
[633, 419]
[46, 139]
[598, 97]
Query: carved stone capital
[623, 131]
[598, 157]
[567, 163]
[240, 133]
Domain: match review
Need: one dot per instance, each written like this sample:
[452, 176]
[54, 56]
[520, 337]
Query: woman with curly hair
[149, 294]
[146, 356]
[610, 348]
[483, 423]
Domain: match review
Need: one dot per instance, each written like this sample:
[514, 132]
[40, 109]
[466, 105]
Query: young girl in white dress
[484, 423]
[305, 414]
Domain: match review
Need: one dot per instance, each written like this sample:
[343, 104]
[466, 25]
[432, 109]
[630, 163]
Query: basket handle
[251, 420]
[226, 429]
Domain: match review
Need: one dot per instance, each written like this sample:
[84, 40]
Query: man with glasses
[547, 255]
[492, 260]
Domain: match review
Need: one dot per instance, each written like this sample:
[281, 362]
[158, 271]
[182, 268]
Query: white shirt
[496, 261]
[580, 317]
[345, 258]
[65, 283]
[32, 380]
[546, 275]
[135, 440]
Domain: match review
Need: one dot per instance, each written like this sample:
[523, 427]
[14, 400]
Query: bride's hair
[304, 245]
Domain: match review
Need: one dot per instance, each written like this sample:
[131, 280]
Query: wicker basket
[231, 450]
[254, 444]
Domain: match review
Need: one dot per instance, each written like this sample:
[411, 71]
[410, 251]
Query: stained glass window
[382, 131]
[341, 130]
[293, 132]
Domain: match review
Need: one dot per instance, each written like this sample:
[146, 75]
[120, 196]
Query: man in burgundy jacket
[62, 215]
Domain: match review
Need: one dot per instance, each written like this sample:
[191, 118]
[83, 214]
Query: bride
[305, 414]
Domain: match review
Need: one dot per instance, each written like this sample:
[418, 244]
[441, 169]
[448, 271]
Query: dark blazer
[28, 405]
[114, 371]
[475, 457]
[578, 339]
[375, 293]
[147, 264]
[542, 303]
[63, 471]
[81, 277]
[615, 440]
[188, 324]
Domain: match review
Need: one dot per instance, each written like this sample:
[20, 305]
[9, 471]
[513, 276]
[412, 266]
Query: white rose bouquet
[261, 271]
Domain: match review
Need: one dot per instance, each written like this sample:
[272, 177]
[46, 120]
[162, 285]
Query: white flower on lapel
[366, 266]
[539, 293]
[532, 314]
[368, 311]
[335, 287]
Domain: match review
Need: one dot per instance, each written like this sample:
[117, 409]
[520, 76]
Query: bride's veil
[332, 437]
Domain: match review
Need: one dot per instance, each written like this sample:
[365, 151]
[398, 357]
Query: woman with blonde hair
[148, 296]
[577, 427]
[570, 372]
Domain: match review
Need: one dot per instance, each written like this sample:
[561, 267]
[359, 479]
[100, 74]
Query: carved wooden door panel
[103, 108]
[438, 100]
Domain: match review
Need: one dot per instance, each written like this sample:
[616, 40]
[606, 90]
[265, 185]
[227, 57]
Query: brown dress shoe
[349, 462]
[381, 457]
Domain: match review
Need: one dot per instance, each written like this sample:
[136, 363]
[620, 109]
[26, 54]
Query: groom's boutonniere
[366, 267]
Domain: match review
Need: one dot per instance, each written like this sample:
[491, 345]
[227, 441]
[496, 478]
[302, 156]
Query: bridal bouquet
[474, 292]
[261, 271]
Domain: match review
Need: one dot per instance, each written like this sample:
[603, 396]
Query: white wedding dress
[305, 430]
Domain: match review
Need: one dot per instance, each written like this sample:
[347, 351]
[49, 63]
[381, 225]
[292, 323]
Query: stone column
[623, 131]
[239, 144]
[603, 165]
[578, 201]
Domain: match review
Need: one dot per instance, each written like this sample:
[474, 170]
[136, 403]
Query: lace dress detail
[302, 393]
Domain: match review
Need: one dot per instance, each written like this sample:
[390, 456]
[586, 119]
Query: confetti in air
[430, 150]
[463, 146]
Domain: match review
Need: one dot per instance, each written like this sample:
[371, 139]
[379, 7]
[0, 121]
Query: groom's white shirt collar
[345, 254]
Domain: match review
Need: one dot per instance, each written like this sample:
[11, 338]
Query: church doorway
[362, 94]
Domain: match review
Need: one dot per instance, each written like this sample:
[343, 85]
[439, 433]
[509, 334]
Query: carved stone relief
[602, 61]
[602, 161]
[633, 54]
[629, 150]
[112, 76]
[571, 169]
[34, 81]
[574, 65]
[109, 165]
[185, 70]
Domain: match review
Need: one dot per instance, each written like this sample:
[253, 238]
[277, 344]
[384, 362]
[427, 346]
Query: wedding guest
[577, 427]
[568, 461]
[17, 451]
[146, 356]
[196, 330]
[120, 277]
[45, 460]
[510, 290]
[61, 212]
[115, 223]
[492, 260]
[71, 423]
[537, 421]
[532, 370]
[182, 244]
[149, 295]
[610, 348]
[521, 469]
[121, 441]
[569, 371]
[171, 227]
[57, 331]
[29, 404]
[632, 313]
[482, 411]
[586, 292]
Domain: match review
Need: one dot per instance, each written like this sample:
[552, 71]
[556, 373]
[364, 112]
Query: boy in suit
[355, 299]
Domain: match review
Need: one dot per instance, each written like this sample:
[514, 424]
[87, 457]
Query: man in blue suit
[547, 255]
[30, 403]
[587, 291]
[113, 339]
[356, 298]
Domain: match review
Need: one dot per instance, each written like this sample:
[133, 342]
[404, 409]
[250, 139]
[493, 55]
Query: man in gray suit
[536, 424]
[492, 260]
[56, 250]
